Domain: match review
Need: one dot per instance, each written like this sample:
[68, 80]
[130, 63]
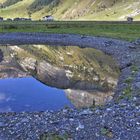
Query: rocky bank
[118, 120]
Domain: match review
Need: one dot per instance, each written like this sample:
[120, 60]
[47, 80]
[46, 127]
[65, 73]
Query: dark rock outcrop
[1, 55]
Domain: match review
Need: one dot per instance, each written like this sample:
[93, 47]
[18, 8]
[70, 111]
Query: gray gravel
[118, 120]
[118, 48]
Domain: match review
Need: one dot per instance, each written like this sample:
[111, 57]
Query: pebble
[132, 47]
[86, 112]
[80, 126]
[108, 109]
[137, 42]
[137, 84]
[24, 120]
[2, 124]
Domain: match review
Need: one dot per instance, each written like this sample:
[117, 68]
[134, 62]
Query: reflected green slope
[87, 65]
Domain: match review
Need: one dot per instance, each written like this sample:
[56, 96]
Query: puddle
[81, 77]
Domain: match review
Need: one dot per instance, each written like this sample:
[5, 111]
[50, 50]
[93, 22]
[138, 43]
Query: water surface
[28, 94]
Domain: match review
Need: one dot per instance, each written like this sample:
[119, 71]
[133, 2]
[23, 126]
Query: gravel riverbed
[117, 120]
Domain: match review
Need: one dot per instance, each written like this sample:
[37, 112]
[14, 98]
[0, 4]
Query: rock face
[82, 98]
[81, 70]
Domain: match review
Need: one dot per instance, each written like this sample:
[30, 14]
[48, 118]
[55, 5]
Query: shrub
[10, 27]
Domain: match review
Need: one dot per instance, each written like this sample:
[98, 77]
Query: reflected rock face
[52, 75]
[71, 67]
[82, 98]
[9, 68]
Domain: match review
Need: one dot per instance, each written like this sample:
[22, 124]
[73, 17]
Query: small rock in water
[65, 110]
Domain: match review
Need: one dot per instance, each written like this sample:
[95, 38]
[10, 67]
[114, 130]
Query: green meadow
[119, 30]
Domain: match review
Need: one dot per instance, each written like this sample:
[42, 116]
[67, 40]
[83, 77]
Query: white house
[48, 18]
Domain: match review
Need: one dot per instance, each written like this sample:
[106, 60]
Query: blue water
[28, 94]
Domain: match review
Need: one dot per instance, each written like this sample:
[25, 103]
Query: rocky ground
[118, 120]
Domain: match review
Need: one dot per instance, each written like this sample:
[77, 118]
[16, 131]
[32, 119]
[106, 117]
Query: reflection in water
[81, 98]
[87, 75]
[27, 94]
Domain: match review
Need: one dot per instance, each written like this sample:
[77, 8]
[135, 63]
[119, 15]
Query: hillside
[71, 9]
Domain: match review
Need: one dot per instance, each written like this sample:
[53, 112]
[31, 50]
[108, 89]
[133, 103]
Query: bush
[51, 26]
[10, 27]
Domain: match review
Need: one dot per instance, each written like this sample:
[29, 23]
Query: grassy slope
[17, 10]
[57, 12]
[77, 9]
[119, 11]
[2, 1]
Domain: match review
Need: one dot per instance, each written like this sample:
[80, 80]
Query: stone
[108, 109]
[82, 36]
[24, 120]
[132, 47]
[108, 43]
[80, 126]
[137, 41]
[134, 99]
[86, 112]
[71, 119]
[137, 85]
[65, 110]
[54, 122]
[2, 124]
